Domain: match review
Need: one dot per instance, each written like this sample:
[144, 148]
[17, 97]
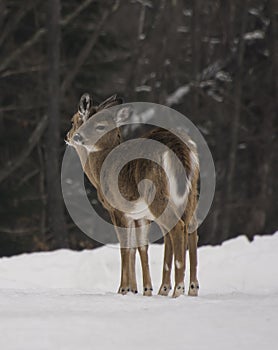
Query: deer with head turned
[93, 145]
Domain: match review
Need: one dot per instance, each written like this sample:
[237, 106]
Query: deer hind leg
[167, 266]
[132, 273]
[142, 233]
[192, 247]
[179, 242]
[147, 283]
[178, 238]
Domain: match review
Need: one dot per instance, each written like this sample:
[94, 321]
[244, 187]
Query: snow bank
[241, 266]
[67, 300]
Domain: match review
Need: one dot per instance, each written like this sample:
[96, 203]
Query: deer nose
[77, 138]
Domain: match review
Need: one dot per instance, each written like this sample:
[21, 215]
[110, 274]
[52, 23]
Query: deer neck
[95, 161]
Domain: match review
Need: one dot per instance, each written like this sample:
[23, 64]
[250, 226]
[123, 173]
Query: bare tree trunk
[267, 148]
[196, 53]
[235, 124]
[57, 222]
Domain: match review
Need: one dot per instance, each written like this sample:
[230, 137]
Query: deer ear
[123, 114]
[111, 101]
[85, 104]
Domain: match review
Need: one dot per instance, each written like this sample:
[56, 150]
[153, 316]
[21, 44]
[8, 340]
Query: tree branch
[11, 25]
[40, 33]
[83, 55]
[85, 52]
[19, 160]
[24, 231]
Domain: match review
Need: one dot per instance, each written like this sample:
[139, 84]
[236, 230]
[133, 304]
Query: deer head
[86, 110]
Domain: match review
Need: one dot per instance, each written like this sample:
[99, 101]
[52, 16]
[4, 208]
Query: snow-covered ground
[67, 300]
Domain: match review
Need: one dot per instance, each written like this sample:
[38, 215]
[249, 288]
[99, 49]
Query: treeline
[214, 61]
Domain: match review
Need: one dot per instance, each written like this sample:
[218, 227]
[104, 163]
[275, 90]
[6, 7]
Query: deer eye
[100, 127]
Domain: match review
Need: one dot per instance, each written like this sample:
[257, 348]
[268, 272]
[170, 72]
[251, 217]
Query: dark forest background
[216, 61]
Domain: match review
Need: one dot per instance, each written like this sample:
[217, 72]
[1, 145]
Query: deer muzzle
[78, 139]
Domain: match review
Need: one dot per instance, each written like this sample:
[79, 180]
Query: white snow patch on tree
[177, 95]
[255, 35]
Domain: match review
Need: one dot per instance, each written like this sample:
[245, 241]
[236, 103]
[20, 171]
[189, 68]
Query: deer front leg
[125, 232]
[192, 247]
[125, 271]
[167, 266]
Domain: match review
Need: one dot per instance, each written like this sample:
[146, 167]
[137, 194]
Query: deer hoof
[179, 290]
[123, 290]
[193, 289]
[164, 290]
[148, 291]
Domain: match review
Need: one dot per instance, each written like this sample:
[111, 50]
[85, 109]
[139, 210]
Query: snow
[183, 29]
[177, 95]
[211, 40]
[141, 88]
[203, 79]
[254, 11]
[187, 13]
[215, 96]
[223, 76]
[256, 34]
[67, 300]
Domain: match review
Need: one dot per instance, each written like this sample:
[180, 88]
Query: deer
[105, 127]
